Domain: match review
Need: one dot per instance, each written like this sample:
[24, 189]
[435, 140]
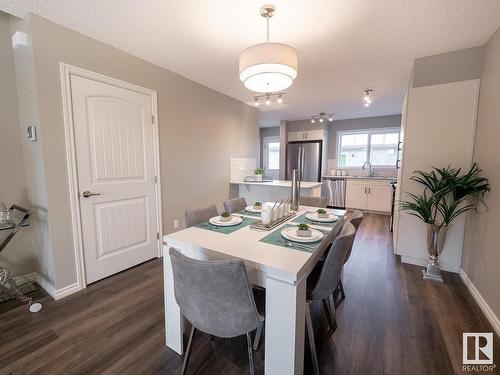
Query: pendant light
[268, 67]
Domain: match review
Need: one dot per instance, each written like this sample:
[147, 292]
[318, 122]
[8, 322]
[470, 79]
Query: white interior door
[114, 139]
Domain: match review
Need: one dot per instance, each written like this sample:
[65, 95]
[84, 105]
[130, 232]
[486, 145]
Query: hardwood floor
[392, 322]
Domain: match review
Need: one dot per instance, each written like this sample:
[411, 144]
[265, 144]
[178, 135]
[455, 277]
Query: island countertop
[281, 183]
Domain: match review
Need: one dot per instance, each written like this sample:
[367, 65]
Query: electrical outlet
[176, 224]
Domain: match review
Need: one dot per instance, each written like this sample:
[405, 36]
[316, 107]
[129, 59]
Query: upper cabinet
[309, 135]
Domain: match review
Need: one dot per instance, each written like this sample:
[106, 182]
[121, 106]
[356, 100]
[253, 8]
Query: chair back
[235, 205]
[215, 296]
[200, 215]
[356, 219]
[332, 268]
[313, 201]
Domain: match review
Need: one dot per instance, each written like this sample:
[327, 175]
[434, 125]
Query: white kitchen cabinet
[309, 135]
[368, 195]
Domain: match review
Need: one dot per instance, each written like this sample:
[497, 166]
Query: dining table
[279, 266]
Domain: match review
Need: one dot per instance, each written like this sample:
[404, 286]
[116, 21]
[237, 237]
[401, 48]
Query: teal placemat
[275, 238]
[248, 213]
[225, 230]
[302, 219]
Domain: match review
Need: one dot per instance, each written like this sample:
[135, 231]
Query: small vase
[436, 238]
[258, 177]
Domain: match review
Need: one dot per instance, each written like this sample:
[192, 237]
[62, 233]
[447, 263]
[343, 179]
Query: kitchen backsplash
[239, 168]
[379, 172]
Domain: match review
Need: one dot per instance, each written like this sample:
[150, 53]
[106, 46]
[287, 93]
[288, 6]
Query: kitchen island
[274, 190]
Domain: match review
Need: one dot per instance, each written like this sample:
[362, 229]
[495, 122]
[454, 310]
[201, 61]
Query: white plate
[313, 216]
[235, 220]
[290, 233]
[252, 209]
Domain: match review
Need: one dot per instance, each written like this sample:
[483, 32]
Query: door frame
[66, 71]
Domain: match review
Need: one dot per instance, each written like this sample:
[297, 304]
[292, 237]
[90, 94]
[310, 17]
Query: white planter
[258, 177]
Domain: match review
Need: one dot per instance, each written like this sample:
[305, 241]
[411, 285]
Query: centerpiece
[447, 194]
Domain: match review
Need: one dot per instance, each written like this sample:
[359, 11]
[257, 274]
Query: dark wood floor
[392, 322]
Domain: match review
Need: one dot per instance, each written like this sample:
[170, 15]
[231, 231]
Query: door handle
[397, 163]
[87, 194]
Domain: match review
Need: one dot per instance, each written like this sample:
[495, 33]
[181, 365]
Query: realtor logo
[477, 348]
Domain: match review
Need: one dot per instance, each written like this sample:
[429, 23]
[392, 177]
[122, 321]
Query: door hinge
[152, 119]
[155, 179]
[157, 236]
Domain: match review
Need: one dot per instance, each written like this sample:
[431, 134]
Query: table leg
[174, 321]
[285, 319]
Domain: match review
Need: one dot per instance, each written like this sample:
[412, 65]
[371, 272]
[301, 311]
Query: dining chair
[235, 205]
[313, 201]
[323, 280]
[355, 220]
[196, 216]
[216, 298]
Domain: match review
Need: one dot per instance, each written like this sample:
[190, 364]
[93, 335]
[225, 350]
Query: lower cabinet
[368, 195]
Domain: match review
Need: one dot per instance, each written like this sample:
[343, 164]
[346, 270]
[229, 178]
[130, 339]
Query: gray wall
[18, 256]
[448, 67]
[266, 132]
[200, 129]
[481, 255]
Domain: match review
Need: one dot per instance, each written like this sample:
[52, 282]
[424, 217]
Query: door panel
[115, 159]
[356, 196]
[379, 198]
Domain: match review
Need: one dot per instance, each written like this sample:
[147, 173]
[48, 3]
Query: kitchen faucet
[371, 168]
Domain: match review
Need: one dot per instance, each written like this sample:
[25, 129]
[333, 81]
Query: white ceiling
[343, 46]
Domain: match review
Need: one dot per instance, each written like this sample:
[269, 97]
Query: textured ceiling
[343, 46]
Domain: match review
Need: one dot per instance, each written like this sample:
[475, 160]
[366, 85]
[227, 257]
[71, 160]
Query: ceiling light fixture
[367, 97]
[322, 116]
[268, 67]
[268, 98]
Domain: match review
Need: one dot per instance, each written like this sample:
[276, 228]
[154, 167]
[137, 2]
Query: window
[378, 146]
[271, 157]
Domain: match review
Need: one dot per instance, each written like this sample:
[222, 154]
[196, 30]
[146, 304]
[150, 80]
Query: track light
[367, 97]
[268, 100]
[256, 101]
[280, 98]
[322, 116]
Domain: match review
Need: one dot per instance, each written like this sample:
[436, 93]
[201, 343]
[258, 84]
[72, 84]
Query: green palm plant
[451, 194]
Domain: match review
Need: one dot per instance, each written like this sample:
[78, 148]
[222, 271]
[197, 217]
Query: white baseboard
[56, 293]
[424, 262]
[490, 315]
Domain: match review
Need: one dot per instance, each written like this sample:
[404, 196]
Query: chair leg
[328, 311]
[250, 353]
[258, 334]
[188, 351]
[310, 335]
[341, 287]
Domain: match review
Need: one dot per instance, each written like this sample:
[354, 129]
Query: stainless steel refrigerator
[306, 157]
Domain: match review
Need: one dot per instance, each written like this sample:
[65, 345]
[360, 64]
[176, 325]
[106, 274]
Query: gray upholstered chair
[216, 298]
[322, 282]
[355, 220]
[313, 201]
[235, 205]
[200, 215]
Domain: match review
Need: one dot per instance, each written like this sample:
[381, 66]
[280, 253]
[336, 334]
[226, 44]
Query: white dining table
[281, 270]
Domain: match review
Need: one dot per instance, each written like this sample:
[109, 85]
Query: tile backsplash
[379, 172]
[239, 168]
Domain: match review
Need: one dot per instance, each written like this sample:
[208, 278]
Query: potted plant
[303, 230]
[257, 205]
[322, 213]
[225, 216]
[447, 194]
[259, 173]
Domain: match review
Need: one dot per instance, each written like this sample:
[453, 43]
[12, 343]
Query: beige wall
[18, 256]
[200, 130]
[481, 256]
